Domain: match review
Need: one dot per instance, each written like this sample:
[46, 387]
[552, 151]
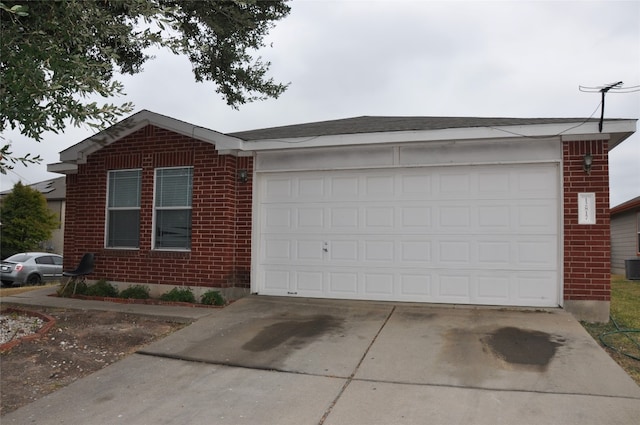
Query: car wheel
[34, 279]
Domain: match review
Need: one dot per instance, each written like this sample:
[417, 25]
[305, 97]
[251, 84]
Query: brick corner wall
[587, 247]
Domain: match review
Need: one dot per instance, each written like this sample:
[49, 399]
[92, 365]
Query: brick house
[493, 211]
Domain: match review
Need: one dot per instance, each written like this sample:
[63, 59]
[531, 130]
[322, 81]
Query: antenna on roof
[614, 88]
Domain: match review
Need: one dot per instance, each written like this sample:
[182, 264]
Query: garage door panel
[310, 189]
[535, 183]
[310, 282]
[494, 184]
[278, 219]
[494, 288]
[453, 253]
[494, 254]
[279, 189]
[415, 286]
[535, 289]
[415, 252]
[454, 288]
[343, 250]
[415, 218]
[537, 253]
[494, 217]
[483, 234]
[379, 187]
[378, 284]
[276, 281]
[537, 216]
[343, 283]
[308, 250]
[454, 185]
[415, 186]
[345, 188]
[344, 219]
[277, 250]
[310, 219]
[379, 217]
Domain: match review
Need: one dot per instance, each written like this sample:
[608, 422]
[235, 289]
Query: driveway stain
[475, 355]
[522, 347]
[295, 332]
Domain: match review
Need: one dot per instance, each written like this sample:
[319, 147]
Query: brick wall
[221, 213]
[586, 247]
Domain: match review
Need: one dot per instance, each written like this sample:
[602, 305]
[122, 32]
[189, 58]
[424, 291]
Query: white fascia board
[78, 153]
[62, 168]
[473, 133]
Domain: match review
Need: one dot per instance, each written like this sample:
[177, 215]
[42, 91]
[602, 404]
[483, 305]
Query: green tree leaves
[55, 54]
[26, 220]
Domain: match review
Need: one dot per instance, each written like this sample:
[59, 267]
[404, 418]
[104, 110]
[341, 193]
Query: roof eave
[616, 132]
[626, 206]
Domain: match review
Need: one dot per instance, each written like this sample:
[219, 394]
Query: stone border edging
[50, 321]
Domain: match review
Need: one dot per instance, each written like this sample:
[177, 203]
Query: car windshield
[18, 258]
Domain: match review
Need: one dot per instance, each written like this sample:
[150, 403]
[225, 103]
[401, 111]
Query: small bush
[212, 298]
[102, 288]
[139, 292]
[184, 295]
[67, 291]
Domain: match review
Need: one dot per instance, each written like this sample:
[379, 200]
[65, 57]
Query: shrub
[184, 295]
[140, 292]
[212, 298]
[102, 288]
[67, 291]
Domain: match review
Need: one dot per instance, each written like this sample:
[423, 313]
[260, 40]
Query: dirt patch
[80, 343]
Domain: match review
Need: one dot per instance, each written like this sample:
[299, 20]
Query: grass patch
[625, 312]
[625, 301]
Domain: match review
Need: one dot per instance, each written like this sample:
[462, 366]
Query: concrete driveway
[269, 360]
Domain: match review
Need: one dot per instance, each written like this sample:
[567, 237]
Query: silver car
[31, 268]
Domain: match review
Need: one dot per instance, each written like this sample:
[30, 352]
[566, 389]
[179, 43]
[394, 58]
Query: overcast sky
[412, 58]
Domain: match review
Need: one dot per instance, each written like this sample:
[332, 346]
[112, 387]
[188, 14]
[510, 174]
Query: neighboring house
[54, 192]
[625, 234]
[487, 211]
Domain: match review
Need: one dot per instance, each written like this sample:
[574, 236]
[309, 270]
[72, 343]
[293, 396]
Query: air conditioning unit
[632, 268]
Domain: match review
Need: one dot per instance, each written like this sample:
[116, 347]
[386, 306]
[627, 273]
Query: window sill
[170, 253]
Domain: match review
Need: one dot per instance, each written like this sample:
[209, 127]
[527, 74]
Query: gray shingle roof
[53, 189]
[378, 124]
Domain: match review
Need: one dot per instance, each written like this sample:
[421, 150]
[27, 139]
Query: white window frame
[154, 239]
[108, 209]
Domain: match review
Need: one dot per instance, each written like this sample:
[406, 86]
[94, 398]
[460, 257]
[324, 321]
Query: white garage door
[461, 234]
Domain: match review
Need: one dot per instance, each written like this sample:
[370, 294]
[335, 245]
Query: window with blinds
[172, 208]
[123, 209]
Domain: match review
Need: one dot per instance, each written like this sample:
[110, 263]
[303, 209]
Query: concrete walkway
[266, 360]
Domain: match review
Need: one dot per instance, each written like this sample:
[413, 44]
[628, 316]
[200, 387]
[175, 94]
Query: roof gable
[78, 153]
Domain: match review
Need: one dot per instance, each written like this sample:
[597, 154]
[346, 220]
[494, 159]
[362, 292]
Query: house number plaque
[586, 208]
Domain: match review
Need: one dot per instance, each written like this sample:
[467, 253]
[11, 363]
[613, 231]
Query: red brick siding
[221, 213]
[586, 247]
